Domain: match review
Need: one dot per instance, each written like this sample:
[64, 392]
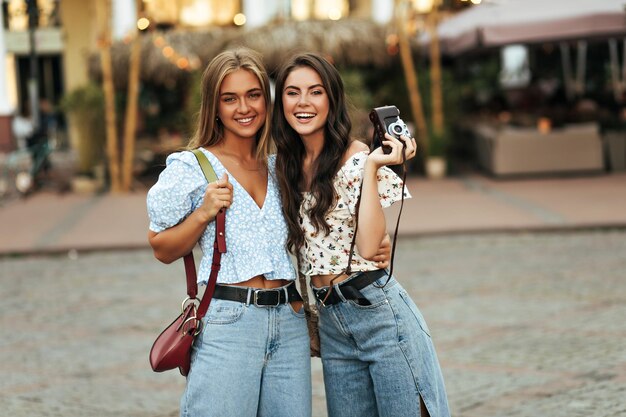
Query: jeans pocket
[416, 312]
[224, 312]
[299, 313]
[373, 306]
[374, 294]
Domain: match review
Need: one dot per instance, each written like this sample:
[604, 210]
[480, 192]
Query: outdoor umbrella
[501, 23]
[358, 42]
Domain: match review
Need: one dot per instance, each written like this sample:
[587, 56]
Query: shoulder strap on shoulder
[211, 176]
[219, 247]
[206, 166]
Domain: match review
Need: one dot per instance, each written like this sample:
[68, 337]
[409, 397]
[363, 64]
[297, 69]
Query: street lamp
[33, 88]
[429, 11]
[423, 6]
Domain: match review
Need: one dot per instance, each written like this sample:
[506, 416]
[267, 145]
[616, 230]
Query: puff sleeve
[389, 184]
[178, 191]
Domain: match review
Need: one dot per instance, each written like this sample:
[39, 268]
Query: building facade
[48, 55]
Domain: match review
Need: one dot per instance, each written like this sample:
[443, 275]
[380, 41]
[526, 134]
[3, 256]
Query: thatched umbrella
[347, 41]
[166, 57]
[354, 42]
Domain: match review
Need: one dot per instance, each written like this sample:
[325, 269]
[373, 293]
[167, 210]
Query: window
[319, 9]
[192, 13]
[515, 71]
[16, 18]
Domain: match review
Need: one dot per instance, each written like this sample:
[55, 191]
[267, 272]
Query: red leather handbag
[172, 348]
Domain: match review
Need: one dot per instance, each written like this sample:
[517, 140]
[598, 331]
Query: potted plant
[436, 164]
[84, 107]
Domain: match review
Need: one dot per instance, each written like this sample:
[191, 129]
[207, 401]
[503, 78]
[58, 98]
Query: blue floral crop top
[255, 237]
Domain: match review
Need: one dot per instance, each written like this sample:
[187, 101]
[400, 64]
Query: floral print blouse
[328, 254]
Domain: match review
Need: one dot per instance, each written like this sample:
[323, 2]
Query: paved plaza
[526, 324]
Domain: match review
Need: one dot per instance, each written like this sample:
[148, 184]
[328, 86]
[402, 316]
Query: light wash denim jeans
[379, 359]
[249, 362]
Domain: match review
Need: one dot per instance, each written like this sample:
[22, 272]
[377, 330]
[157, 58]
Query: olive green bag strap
[207, 169]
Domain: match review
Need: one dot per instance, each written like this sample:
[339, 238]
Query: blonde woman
[252, 357]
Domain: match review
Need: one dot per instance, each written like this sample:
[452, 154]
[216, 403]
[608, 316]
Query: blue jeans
[249, 362]
[379, 359]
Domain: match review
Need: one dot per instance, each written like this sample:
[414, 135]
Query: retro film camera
[387, 120]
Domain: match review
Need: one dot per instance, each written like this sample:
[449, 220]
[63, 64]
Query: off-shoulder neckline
[345, 164]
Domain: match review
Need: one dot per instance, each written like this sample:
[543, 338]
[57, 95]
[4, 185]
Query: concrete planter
[615, 148]
[81, 184]
[525, 151]
[436, 167]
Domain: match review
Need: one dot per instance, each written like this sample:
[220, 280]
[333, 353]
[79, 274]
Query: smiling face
[242, 107]
[305, 103]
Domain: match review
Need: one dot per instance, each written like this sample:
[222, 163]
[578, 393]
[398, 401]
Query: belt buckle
[256, 293]
[321, 295]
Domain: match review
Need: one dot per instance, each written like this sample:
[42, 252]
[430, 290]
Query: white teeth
[246, 120]
[305, 115]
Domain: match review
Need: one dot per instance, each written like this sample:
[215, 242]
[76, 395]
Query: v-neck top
[328, 254]
[255, 237]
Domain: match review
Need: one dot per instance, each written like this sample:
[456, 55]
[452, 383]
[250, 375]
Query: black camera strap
[348, 270]
[395, 232]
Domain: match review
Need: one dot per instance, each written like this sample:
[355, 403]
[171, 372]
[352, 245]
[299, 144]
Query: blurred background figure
[41, 141]
[22, 127]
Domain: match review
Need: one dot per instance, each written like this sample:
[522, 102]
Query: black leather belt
[271, 297]
[350, 289]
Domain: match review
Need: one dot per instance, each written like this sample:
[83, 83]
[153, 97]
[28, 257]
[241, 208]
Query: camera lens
[397, 129]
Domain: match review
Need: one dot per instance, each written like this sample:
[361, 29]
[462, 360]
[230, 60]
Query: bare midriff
[260, 281]
[319, 281]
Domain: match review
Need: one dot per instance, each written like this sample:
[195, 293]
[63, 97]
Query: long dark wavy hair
[290, 149]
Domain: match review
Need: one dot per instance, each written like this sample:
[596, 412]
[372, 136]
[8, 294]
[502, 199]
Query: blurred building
[63, 35]
[66, 34]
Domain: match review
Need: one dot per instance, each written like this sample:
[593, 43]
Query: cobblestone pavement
[524, 324]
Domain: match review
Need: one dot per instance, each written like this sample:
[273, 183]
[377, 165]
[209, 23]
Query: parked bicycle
[22, 168]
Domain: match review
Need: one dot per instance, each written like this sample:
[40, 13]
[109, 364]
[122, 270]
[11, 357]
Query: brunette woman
[377, 353]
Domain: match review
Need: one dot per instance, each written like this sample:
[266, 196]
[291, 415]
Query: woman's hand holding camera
[404, 145]
[218, 195]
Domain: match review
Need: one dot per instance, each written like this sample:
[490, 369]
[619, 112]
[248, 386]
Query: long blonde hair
[209, 130]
